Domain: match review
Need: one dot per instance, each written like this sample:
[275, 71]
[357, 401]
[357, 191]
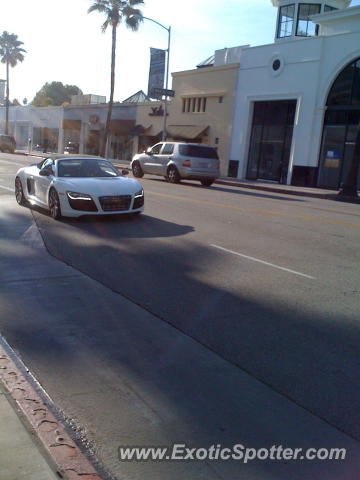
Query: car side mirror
[125, 172]
[46, 172]
[148, 151]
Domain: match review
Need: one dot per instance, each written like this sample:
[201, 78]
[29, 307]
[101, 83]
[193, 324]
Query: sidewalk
[20, 457]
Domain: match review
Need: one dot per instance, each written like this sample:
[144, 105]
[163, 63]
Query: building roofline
[230, 66]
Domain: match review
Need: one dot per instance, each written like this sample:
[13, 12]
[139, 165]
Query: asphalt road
[268, 283]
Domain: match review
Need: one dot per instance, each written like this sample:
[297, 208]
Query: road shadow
[175, 281]
[113, 226]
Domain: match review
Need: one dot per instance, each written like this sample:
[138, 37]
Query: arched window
[341, 124]
[346, 88]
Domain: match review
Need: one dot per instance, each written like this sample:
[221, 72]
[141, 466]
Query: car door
[164, 157]
[42, 183]
[151, 160]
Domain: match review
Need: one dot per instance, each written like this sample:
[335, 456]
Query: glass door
[350, 141]
[270, 142]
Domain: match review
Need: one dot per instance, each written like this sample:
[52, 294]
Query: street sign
[160, 92]
[157, 69]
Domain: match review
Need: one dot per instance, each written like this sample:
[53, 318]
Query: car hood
[100, 186]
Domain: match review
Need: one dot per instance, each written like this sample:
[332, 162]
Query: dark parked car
[7, 143]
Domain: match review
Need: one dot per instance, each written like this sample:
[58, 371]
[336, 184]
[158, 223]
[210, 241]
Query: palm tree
[11, 53]
[115, 11]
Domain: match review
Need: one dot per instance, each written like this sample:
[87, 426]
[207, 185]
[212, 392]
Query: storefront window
[305, 27]
[45, 139]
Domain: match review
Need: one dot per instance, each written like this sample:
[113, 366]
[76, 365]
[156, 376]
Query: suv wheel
[207, 182]
[137, 170]
[173, 175]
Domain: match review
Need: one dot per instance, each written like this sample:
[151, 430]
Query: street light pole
[168, 29]
[164, 133]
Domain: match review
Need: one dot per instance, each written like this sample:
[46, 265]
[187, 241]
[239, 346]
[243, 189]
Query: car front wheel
[54, 204]
[19, 192]
[137, 170]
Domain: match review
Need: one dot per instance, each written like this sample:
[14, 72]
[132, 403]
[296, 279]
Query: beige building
[202, 109]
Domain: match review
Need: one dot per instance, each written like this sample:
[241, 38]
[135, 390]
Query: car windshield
[198, 151]
[83, 168]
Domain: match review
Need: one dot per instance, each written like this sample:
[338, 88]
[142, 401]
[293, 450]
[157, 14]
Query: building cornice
[335, 15]
[198, 71]
[344, 3]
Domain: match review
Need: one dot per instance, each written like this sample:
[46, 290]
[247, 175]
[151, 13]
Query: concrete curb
[300, 193]
[70, 463]
[276, 189]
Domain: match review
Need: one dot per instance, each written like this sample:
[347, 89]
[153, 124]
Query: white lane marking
[263, 262]
[7, 188]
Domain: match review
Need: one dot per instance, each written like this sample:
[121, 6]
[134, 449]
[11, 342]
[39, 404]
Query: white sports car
[75, 185]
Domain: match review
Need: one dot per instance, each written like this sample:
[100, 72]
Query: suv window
[198, 151]
[168, 149]
[156, 149]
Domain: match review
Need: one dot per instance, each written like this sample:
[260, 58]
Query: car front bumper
[71, 208]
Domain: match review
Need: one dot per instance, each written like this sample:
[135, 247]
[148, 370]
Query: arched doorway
[341, 124]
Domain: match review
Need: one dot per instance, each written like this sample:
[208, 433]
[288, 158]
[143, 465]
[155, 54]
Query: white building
[297, 105]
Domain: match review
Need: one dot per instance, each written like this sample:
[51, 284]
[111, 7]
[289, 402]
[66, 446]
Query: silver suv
[176, 161]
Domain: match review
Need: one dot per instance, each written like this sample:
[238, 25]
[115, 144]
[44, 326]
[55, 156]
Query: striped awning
[186, 132]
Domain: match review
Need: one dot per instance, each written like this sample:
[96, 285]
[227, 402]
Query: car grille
[115, 203]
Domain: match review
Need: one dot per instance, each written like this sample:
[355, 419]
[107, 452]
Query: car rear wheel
[137, 170]
[54, 204]
[207, 182]
[19, 192]
[173, 175]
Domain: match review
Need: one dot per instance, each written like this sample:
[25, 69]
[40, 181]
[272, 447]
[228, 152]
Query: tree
[16, 103]
[55, 93]
[11, 53]
[115, 12]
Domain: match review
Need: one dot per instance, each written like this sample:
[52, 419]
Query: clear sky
[66, 44]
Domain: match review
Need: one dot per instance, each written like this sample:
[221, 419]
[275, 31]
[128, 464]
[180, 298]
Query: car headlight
[140, 193]
[78, 196]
